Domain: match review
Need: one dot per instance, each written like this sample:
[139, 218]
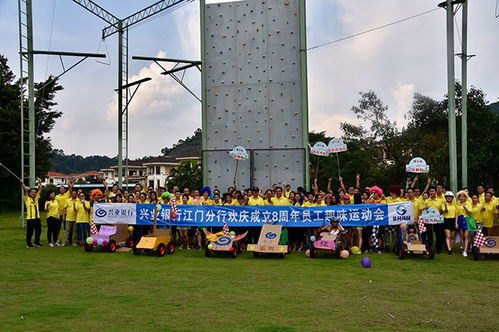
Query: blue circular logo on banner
[270, 235]
[490, 243]
[401, 210]
[100, 213]
[223, 241]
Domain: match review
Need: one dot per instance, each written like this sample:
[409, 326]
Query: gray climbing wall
[253, 93]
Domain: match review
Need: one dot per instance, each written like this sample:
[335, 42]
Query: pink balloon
[95, 242]
[104, 243]
[345, 254]
[174, 215]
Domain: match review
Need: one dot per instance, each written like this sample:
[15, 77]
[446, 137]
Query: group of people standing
[73, 209]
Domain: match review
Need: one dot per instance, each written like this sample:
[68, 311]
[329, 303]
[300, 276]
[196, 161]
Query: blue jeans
[82, 231]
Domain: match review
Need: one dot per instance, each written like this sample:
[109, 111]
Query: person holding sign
[449, 211]
[438, 229]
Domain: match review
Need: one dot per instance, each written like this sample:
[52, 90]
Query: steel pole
[204, 123]
[452, 97]
[120, 103]
[464, 98]
[304, 89]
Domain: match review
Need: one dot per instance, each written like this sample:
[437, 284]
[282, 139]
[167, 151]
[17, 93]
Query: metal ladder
[26, 88]
[124, 111]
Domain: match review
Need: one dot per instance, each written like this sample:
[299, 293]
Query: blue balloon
[312, 238]
[366, 262]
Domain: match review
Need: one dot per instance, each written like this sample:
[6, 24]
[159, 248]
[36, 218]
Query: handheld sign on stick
[417, 165]
[319, 149]
[337, 145]
[238, 153]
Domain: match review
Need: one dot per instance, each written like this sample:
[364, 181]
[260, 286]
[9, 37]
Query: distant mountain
[69, 164]
[189, 147]
[494, 107]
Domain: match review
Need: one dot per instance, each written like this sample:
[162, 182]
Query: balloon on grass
[355, 250]
[345, 254]
[90, 240]
[366, 262]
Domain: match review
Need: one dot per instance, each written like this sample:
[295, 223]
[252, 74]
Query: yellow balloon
[355, 250]
[130, 228]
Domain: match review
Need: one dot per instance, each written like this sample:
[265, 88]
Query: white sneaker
[465, 254]
[58, 244]
[51, 244]
[75, 245]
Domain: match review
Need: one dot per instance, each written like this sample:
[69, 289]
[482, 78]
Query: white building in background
[61, 179]
[153, 172]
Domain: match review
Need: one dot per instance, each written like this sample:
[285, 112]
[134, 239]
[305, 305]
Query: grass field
[46, 289]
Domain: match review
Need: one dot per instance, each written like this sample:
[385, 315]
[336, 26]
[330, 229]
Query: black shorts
[450, 224]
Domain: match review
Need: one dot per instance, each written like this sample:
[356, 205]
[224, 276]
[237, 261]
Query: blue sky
[395, 62]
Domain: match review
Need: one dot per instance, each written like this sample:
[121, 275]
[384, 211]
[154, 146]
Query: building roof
[74, 175]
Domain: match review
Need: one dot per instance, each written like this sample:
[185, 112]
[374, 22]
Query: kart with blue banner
[224, 242]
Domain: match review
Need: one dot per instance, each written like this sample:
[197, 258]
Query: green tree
[187, 174]
[10, 133]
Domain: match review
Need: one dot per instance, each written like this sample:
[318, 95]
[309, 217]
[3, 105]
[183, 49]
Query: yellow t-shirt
[205, 202]
[451, 210]
[61, 200]
[481, 197]
[307, 204]
[215, 203]
[280, 201]
[82, 215]
[286, 194]
[256, 201]
[234, 202]
[461, 211]
[396, 200]
[71, 209]
[321, 204]
[488, 214]
[433, 203]
[52, 208]
[476, 212]
[32, 207]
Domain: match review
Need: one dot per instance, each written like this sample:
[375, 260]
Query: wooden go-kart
[490, 247]
[328, 243]
[414, 247]
[268, 242]
[110, 237]
[159, 240]
[224, 243]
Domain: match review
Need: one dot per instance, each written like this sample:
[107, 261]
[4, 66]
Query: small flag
[422, 227]
[479, 238]
[226, 229]
[93, 228]
[374, 236]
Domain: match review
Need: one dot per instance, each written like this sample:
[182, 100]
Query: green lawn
[47, 289]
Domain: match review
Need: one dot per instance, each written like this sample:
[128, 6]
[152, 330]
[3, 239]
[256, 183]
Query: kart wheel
[88, 247]
[136, 250]
[431, 253]
[111, 247]
[233, 254]
[207, 252]
[170, 248]
[240, 247]
[313, 252]
[282, 255]
[130, 242]
[401, 253]
[161, 250]
[475, 253]
[338, 251]
[256, 254]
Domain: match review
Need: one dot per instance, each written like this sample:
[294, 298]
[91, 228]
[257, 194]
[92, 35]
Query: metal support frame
[464, 96]
[204, 121]
[27, 90]
[304, 88]
[121, 26]
[174, 69]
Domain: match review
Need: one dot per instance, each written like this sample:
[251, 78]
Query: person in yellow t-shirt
[319, 201]
[287, 190]
[53, 222]
[70, 219]
[205, 196]
[82, 218]
[217, 200]
[61, 200]
[33, 223]
[433, 202]
[463, 210]
[489, 212]
[255, 199]
[279, 199]
[450, 213]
